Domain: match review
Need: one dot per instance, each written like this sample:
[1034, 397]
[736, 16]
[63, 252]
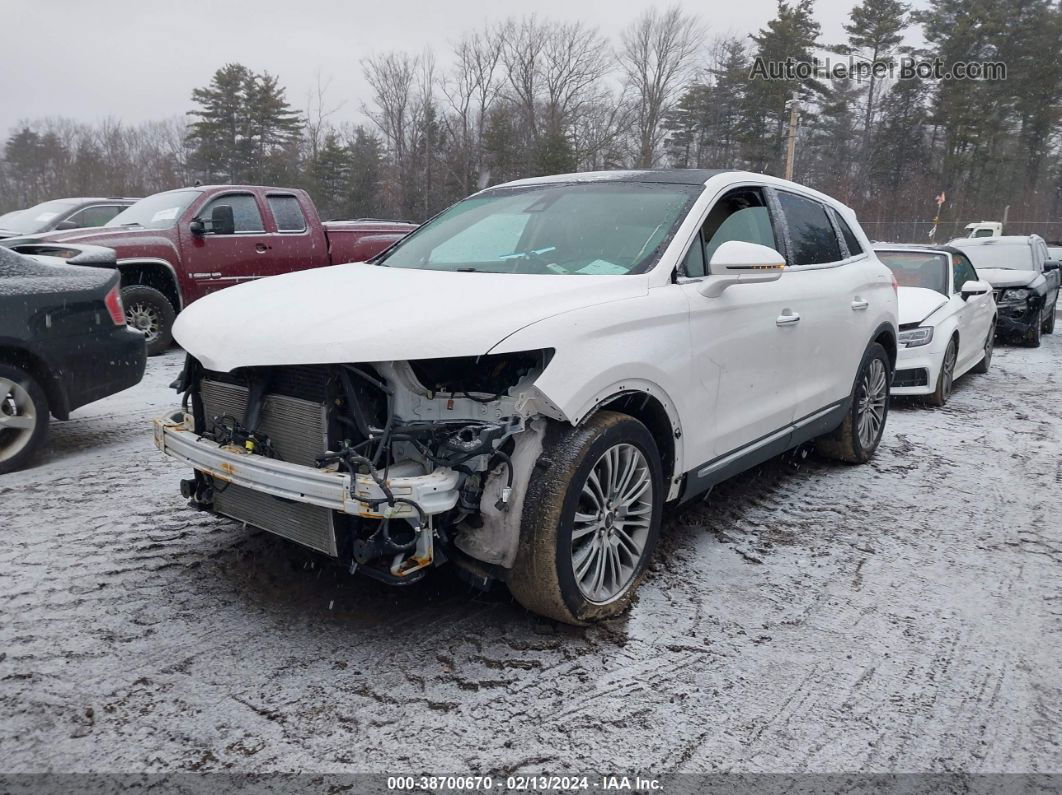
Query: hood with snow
[915, 304]
[368, 313]
[1006, 277]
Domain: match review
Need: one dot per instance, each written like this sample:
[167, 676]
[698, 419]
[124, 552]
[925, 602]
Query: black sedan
[58, 214]
[63, 343]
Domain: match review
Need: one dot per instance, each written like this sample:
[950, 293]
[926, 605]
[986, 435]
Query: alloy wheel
[144, 318]
[18, 419]
[870, 404]
[611, 525]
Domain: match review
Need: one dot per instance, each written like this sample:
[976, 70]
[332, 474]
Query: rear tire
[986, 360]
[591, 521]
[150, 312]
[946, 378]
[23, 418]
[855, 440]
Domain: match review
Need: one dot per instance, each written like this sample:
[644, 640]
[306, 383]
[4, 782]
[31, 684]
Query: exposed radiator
[308, 525]
[299, 432]
[297, 428]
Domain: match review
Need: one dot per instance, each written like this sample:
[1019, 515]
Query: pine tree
[243, 120]
[792, 34]
[875, 28]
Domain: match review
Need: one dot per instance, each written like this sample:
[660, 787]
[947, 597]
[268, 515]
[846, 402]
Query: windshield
[160, 211]
[589, 229]
[36, 219]
[918, 269]
[1009, 256]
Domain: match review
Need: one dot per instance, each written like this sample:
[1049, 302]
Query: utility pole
[790, 149]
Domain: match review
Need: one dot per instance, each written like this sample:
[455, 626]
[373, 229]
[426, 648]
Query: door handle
[859, 304]
[787, 318]
[262, 248]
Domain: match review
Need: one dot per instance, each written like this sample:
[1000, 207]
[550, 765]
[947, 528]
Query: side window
[287, 213]
[854, 248]
[964, 271]
[813, 238]
[244, 211]
[94, 216]
[741, 214]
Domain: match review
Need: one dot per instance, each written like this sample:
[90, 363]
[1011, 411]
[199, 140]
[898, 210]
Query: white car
[947, 319]
[522, 383]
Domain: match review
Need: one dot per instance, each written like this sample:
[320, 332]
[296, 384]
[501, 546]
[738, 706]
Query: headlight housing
[1018, 294]
[916, 337]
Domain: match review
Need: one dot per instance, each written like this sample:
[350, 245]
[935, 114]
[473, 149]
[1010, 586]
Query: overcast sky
[138, 60]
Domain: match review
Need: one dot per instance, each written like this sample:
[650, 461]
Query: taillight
[114, 306]
[895, 284]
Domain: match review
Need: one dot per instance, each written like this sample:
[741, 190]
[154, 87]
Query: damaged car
[519, 386]
[947, 319]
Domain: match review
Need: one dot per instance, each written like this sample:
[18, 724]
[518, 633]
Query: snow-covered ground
[900, 616]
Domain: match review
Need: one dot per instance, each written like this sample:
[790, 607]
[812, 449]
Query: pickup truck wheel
[23, 418]
[591, 521]
[855, 440]
[151, 313]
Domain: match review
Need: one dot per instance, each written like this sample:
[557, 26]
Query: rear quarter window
[287, 213]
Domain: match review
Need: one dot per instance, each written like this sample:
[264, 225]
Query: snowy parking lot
[905, 615]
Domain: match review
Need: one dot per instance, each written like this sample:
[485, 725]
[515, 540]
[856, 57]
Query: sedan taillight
[114, 306]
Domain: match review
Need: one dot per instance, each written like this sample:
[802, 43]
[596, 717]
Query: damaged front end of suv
[389, 467]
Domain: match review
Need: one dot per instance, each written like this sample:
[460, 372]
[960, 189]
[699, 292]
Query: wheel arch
[25, 359]
[156, 273]
[650, 405]
[885, 335]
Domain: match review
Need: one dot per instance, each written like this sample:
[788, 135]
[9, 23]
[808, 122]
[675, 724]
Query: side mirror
[974, 288]
[738, 262]
[1051, 265]
[64, 225]
[222, 221]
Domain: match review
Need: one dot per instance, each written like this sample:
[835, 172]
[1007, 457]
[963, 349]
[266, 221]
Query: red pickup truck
[175, 247]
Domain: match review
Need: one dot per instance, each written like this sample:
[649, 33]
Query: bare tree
[657, 58]
[471, 90]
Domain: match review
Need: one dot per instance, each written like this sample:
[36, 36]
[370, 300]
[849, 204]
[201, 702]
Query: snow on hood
[918, 303]
[367, 313]
[1002, 277]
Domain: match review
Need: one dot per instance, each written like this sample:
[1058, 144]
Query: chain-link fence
[919, 231]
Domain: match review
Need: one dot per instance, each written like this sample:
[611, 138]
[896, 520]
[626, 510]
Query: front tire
[1032, 336]
[591, 521]
[946, 379]
[23, 418]
[150, 312]
[855, 440]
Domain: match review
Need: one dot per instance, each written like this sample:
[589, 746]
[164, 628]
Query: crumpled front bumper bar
[435, 492]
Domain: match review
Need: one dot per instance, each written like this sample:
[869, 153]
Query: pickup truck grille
[298, 429]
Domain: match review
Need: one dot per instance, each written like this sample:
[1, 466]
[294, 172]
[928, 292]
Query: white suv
[521, 384]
